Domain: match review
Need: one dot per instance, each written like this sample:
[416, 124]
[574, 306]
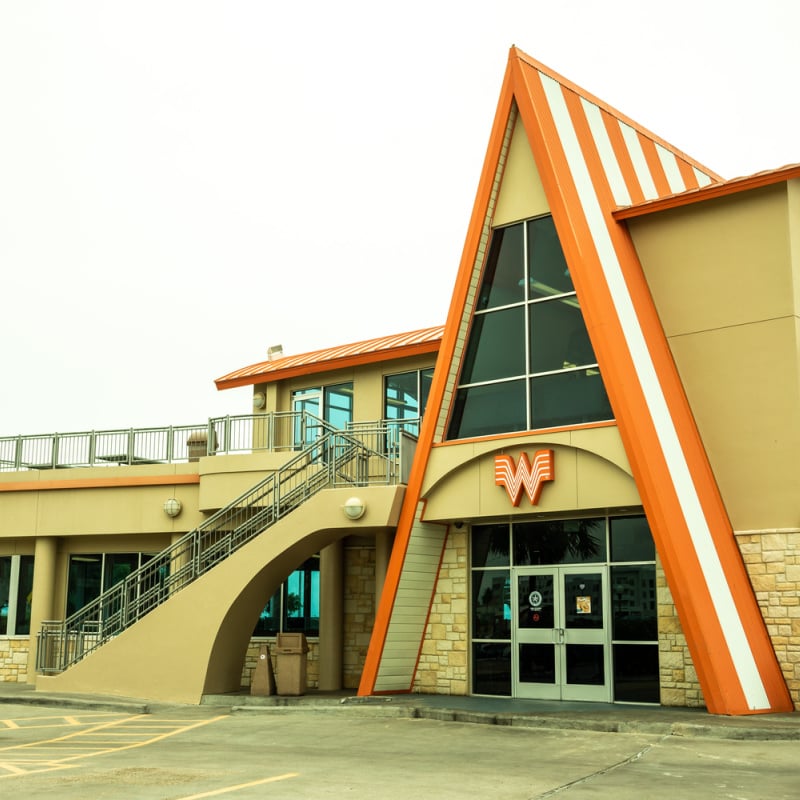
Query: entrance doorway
[561, 641]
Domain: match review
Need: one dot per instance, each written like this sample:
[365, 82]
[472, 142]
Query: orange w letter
[524, 475]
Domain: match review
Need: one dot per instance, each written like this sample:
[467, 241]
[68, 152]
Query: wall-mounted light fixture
[172, 507]
[459, 525]
[259, 400]
[354, 508]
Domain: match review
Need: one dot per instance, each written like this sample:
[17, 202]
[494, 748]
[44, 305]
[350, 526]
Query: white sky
[185, 183]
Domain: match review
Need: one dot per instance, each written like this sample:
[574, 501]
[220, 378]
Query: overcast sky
[184, 183]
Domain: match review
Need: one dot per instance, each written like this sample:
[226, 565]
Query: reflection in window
[16, 589]
[529, 362]
[294, 608]
[91, 574]
[560, 541]
[405, 397]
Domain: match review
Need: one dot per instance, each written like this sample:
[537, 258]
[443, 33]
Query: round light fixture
[259, 400]
[172, 507]
[354, 508]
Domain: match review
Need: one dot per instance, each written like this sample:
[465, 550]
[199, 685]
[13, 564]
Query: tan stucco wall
[725, 278]
[196, 642]
[590, 466]
[521, 192]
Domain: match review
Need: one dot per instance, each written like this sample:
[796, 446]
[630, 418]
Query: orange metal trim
[99, 483]
[710, 192]
[499, 437]
[317, 362]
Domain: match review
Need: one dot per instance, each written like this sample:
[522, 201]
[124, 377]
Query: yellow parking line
[229, 789]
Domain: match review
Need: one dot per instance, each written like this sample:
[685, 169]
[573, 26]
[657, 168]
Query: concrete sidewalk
[600, 717]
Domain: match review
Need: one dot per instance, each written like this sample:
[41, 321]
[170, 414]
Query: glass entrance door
[560, 636]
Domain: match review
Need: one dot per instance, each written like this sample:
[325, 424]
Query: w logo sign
[524, 475]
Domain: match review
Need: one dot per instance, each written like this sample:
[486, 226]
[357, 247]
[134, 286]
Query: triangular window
[528, 363]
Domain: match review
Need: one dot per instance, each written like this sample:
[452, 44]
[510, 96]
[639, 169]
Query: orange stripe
[623, 157]
[688, 175]
[99, 483]
[655, 166]
[438, 385]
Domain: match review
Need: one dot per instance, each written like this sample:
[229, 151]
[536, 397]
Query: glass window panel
[585, 664]
[490, 545]
[583, 601]
[537, 663]
[547, 268]
[118, 566]
[5, 587]
[496, 346]
[491, 604]
[636, 673]
[491, 668]
[558, 336]
[269, 621]
[484, 410]
[536, 604]
[569, 398]
[425, 379]
[24, 595]
[631, 539]
[83, 580]
[401, 396]
[503, 281]
[339, 405]
[633, 598]
[570, 541]
[301, 599]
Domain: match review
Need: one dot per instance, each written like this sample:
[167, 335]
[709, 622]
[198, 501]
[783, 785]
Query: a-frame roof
[592, 160]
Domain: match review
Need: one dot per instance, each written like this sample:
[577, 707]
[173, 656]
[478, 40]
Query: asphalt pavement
[597, 717]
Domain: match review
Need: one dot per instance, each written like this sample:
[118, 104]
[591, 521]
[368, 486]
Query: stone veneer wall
[443, 663]
[359, 610]
[679, 683]
[14, 660]
[772, 559]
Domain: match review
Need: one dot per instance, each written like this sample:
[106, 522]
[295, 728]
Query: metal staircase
[335, 459]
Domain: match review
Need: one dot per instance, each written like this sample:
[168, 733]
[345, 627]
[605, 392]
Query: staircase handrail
[336, 458]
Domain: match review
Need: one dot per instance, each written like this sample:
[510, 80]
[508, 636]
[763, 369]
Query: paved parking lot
[183, 753]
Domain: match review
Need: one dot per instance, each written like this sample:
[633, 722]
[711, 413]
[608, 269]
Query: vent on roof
[276, 351]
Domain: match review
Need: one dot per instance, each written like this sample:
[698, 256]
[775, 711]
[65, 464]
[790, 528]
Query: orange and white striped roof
[399, 345]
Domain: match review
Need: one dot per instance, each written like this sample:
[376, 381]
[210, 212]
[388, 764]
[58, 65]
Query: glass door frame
[561, 635]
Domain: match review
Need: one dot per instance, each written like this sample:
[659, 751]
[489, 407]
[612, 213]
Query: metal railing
[334, 459]
[247, 433]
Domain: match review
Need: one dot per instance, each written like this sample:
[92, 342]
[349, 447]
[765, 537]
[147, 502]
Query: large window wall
[623, 544]
[90, 574]
[528, 363]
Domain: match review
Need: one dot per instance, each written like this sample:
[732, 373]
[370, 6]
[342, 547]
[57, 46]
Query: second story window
[528, 363]
[405, 396]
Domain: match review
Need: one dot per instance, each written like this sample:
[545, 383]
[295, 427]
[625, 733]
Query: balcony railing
[247, 433]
